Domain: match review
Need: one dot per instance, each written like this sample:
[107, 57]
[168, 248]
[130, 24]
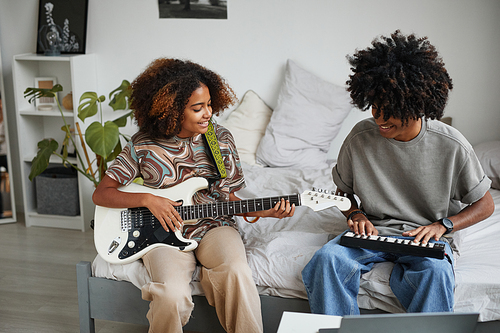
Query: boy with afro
[415, 177]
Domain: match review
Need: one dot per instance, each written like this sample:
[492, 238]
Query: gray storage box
[57, 192]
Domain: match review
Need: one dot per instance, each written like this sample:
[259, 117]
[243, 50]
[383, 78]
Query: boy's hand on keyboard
[359, 224]
[425, 233]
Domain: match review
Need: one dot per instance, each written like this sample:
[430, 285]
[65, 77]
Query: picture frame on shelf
[45, 103]
[62, 27]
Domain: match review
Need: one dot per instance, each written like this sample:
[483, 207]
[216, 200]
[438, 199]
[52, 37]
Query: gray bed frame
[105, 299]
[100, 298]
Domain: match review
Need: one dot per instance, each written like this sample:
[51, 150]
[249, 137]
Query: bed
[285, 151]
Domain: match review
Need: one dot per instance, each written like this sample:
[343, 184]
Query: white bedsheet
[278, 250]
[478, 267]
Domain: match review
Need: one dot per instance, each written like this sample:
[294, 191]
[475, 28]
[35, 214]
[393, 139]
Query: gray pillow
[308, 116]
[247, 123]
[488, 154]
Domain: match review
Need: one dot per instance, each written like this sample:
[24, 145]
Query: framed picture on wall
[45, 103]
[193, 9]
[62, 26]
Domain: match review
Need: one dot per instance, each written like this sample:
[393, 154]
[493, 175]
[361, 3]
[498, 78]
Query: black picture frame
[69, 19]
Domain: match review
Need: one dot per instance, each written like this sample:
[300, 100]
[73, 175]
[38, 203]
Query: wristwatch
[447, 224]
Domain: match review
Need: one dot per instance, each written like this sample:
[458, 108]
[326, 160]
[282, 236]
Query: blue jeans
[332, 278]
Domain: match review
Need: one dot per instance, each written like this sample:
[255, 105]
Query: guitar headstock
[318, 200]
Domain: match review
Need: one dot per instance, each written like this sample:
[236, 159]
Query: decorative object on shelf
[67, 101]
[45, 103]
[103, 138]
[62, 26]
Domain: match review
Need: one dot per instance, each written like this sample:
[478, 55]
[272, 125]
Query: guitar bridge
[125, 221]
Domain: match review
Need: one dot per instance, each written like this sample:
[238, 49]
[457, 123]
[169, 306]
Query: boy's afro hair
[402, 75]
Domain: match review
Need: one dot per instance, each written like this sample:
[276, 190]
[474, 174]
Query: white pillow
[308, 117]
[248, 123]
[488, 154]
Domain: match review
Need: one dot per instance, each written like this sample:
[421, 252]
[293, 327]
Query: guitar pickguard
[142, 235]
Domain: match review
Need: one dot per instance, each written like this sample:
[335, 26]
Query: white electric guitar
[122, 235]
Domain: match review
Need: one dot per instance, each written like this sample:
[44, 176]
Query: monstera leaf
[102, 139]
[116, 151]
[88, 104]
[34, 93]
[40, 162]
[120, 96]
[122, 121]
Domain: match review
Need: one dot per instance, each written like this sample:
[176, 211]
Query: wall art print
[192, 9]
[62, 26]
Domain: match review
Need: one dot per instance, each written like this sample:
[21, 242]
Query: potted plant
[102, 137]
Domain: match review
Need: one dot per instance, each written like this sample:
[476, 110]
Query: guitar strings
[144, 216]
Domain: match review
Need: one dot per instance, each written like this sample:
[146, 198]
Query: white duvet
[278, 250]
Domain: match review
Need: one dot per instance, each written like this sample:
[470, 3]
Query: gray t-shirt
[404, 185]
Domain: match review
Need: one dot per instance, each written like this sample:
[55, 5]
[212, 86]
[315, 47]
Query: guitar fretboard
[194, 212]
[137, 217]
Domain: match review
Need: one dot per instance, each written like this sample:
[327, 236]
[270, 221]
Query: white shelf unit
[76, 74]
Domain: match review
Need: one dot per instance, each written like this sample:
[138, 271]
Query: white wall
[250, 48]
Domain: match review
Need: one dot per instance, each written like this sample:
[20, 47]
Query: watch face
[448, 224]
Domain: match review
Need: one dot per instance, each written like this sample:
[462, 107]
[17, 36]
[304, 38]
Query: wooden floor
[38, 280]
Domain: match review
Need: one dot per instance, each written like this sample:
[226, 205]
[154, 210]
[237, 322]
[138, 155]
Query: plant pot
[57, 192]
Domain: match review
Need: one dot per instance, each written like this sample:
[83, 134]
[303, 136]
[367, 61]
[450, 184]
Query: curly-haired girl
[173, 102]
[412, 174]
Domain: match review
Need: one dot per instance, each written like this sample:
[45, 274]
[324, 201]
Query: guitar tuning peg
[314, 189]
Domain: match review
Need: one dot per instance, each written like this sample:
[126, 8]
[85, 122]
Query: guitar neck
[194, 212]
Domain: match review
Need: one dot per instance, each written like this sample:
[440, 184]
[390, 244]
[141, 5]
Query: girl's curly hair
[160, 94]
[402, 75]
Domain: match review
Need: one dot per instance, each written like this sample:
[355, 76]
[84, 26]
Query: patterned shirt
[163, 163]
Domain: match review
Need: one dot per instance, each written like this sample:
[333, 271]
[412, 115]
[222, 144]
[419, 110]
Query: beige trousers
[225, 277]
